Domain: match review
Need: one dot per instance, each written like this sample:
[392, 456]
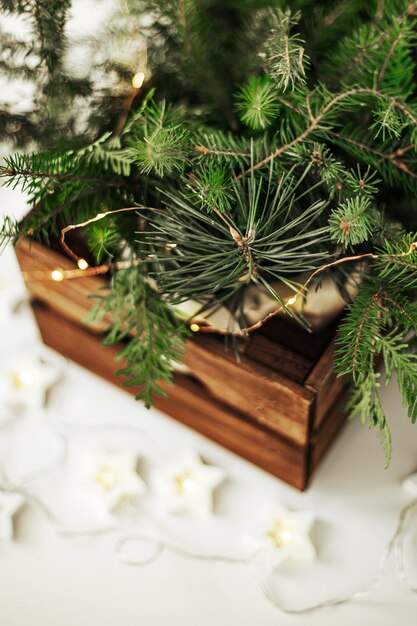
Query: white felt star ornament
[110, 476]
[285, 534]
[10, 503]
[187, 485]
[25, 381]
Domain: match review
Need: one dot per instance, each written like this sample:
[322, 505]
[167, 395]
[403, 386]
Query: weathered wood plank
[252, 388]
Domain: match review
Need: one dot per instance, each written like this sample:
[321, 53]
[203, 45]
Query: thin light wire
[162, 544]
[395, 543]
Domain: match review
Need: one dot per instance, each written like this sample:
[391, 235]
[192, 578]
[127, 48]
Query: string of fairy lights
[84, 270]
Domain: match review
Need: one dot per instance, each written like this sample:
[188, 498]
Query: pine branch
[266, 235]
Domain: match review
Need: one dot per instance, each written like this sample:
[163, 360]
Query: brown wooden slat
[325, 384]
[254, 389]
[287, 362]
[71, 297]
[330, 427]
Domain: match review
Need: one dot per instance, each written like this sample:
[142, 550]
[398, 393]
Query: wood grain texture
[71, 298]
[325, 384]
[252, 388]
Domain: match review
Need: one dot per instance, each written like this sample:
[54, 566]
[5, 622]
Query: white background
[47, 579]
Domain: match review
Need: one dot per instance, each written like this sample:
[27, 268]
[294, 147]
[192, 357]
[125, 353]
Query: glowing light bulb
[106, 477]
[57, 275]
[137, 80]
[195, 328]
[82, 264]
[185, 483]
[23, 378]
[283, 532]
[292, 300]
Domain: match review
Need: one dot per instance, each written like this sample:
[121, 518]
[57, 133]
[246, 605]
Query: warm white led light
[23, 378]
[137, 80]
[57, 275]
[82, 264]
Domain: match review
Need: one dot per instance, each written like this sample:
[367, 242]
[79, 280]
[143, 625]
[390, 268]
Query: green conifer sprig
[257, 103]
[156, 339]
[351, 223]
[374, 330]
[9, 231]
[272, 232]
[283, 49]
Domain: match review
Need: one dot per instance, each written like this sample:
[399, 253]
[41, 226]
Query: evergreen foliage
[61, 103]
[276, 141]
[156, 338]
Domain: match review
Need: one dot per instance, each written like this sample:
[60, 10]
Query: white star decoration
[285, 534]
[24, 382]
[10, 503]
[110, 477]
[187, 485]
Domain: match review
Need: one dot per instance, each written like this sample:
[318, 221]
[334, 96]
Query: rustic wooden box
[280, 406]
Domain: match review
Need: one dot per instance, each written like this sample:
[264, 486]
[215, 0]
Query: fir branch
[31, 171]
[319, 117]
[107, 151]
[155, 337]
[387, 59]
[284, 53]
[364, 403]
[351, 223]
[9, 231]
[398, 359]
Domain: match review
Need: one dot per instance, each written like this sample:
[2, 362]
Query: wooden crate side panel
[330, 427]
[325, 384]
[69, 298]
[251, 388]
[187, 403]
[291, 364]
